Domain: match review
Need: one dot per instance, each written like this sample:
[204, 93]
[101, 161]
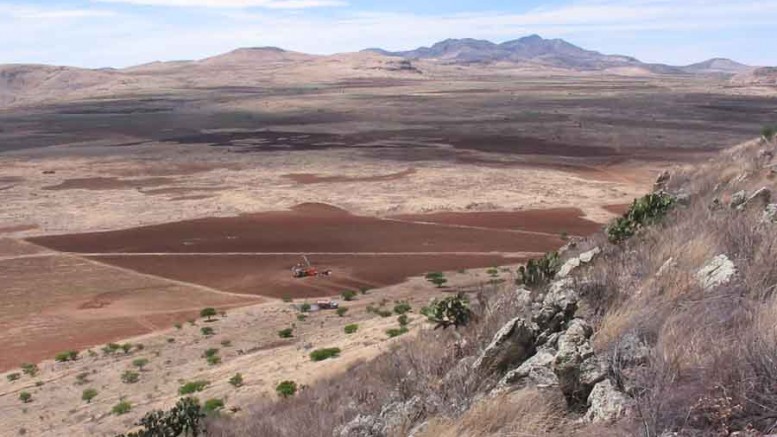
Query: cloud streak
[228, 4]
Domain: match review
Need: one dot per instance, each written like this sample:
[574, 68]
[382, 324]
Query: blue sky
[118, 33]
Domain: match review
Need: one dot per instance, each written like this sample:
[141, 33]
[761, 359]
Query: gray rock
[573, 263]
[534, 372]
[718, 271]
[631, 351]
[666, 266]
[511, 345]
[362, 426]
[606, 404]
[682, 198]
[770, 213]
[760, 198]
[592, 371]
[662, 179]
[737, 199]
[574, 349]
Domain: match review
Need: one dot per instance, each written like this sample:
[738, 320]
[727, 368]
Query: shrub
[286, 389]
[237, 380]
[130, 377]
[126, 347]
[140, 363]
[178, 326]
[403, 320]
[39, 383]
[286, 333]
[226, 343]
[341, 311]
[207, 331]
[66, 356]
[302, 317]
[193, 387]
[214, 360]
[493, 272]
[139, 347]
[643, 212]
[182, 420]
[287, 299]
[450, 311]
[25, 397]
[123, 407]
[213, 405]
[348, 295]
[88, 394]
[305, 307]
[364, 290]
[210, 352]
[208, 314]
[13, 376]
[324, 354]
[768, 132]
[30, 369]
[82, 378]
[383, 313]
[436, 278]
[170, 340]
[111, 348]
[350, 329]
[396, 332]
[539, 271]
[402, 307]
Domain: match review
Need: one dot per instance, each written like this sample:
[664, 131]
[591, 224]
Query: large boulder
[534, 372]
[573, 263]
[718, 271]
[511, 345]
[737, 199]
[606, 404]
[770, 213]
[575, 364]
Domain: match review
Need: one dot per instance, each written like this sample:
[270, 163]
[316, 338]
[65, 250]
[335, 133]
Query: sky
[120, 33]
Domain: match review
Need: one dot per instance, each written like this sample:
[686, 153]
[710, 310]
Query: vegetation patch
[193, 387]
[325, 354]
[643, 212]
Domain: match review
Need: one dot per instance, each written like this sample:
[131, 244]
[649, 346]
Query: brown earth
[100, 183]
[310, 178]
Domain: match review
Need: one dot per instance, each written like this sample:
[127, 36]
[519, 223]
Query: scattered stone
[511, 345]
[770, 213]
[573, 263]
[760, 198]
[573, 350]
[718, 271]
[536, 372]
[662, 179]
[737, 199]
[606, 404]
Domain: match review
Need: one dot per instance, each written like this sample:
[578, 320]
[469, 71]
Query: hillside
[664, 325]
[717, 65]
[765, 76]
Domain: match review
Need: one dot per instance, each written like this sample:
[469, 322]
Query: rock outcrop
[716, 272]
[514, 342]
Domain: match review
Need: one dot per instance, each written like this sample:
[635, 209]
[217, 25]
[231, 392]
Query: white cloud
[271, 4]
[38, 13]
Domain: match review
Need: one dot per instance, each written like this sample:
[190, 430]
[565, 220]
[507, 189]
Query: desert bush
[207, 331]
[383, 313]
[25, 397]
[286, 389]
[768, 132]
[213, 405]
[140, 363]
[436, 278]
[210, 352]
[450, 311]
[111, 348]
[236, 380]
[403, 320]
[208, 314]
[402, 307]
[305, 307]
[643, 212]
[185, 419]
[126, 347]
[364, 290]
[539, 271]
[350, 329]
[130, 377]
[287, 299]
[324, 354]
[341, 311]
[13, 376]
[302, 317]
[213, 360]
[66, 356]
[178, 326]
[396, 332]
[192, 387]
[226, 343]
[493, 272]
[123, 407]
[88, 394]
[30, 369]
[348, 295]
[286, 333]
[82, 378]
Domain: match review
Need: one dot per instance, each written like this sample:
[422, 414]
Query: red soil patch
[556, 220]
[271, 275]
[305, 229]
[310, 178]
[100, 183]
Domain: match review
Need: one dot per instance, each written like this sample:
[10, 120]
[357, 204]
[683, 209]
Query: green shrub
[396, 332]
[130, 377]
[305, 307]
[402, 307]
[450, 311]
[88, 394]
[364, 290]
[25, 397]
[208, 314]
[436, 278]
[539, 271]
[341, 311]
[140, 363]
[302, 317]
[237, 380]
[207, 331]
[643, 212]
[182, 420]
[123, 407]
[287, 299]
[213, 405]
[82, 378]
[286, 389]
[111, 348]
[324, 354]
[66, 356]
[403, 320]
[13, 376]
[192, 387]
[214, 360]
[348, 295]
[384, 313]
[350, 329]
[493, 272]
[30, 369]
[126, 347]
[178, 326]
[226, 343]
[768, 132]
[286, 333]
[210, 352]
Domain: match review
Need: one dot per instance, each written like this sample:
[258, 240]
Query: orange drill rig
[306, 270]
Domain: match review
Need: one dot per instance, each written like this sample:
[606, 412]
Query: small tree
[493, 272]
[350, 329]
[140, 363]
[30, 369]
[182, 420]
[123, 407]
[127, 348]
[341, 311]
[88, 395]
[208, 313]
[348, 295]
[130, 377]
[286, 389]
[25, 397]
[237, 380]
[436, 278]
[286, 333]
[110, 348]
[450, 311]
